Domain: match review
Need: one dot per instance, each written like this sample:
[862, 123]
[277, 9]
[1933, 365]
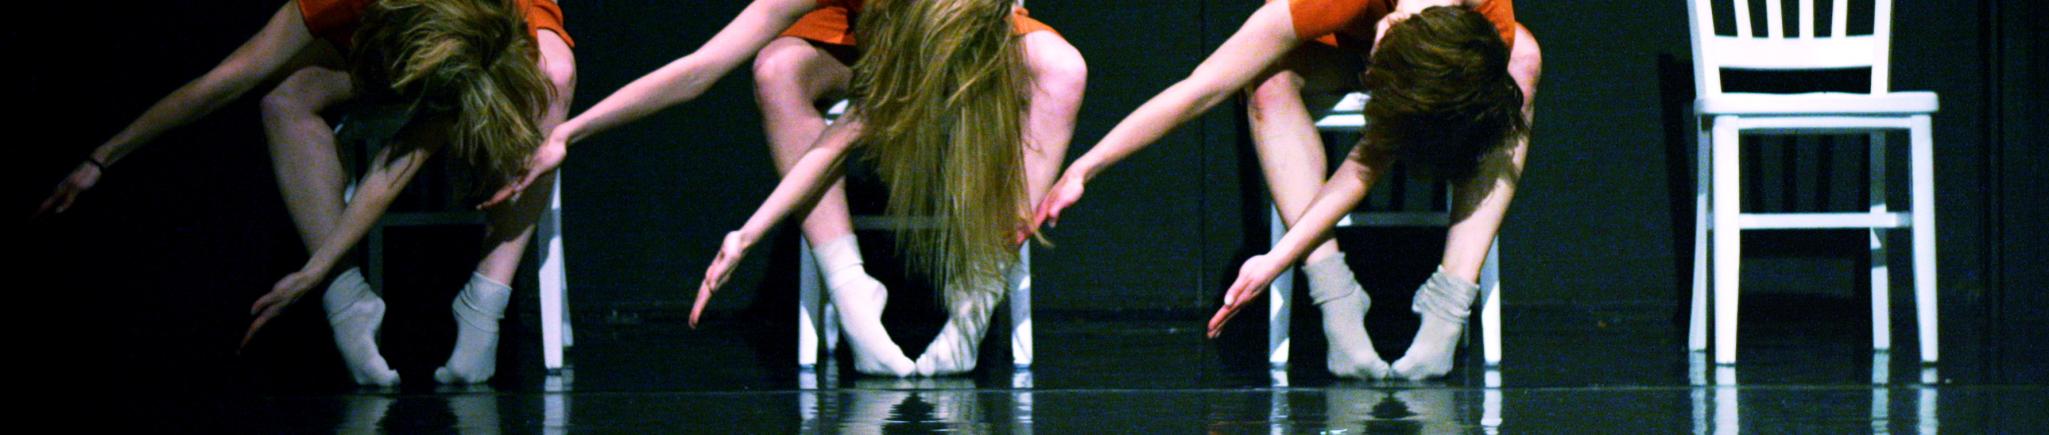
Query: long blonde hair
[474, 60]
[941, 88]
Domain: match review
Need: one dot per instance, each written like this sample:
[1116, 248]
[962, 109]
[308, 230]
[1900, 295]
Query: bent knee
[305, 92]
[1282, 89]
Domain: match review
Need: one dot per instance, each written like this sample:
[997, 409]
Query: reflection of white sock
[860, 299]
[972, 302]
[1336, 291]
[355, 313]
[1444, 301]
[477, 310]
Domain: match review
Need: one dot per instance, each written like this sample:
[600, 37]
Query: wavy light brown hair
[471, 60]
[941, 88]
[1442, 95]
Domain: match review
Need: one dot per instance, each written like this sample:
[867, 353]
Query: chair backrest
[1784, 46]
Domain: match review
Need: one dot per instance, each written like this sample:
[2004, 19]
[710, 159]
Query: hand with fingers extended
[546, 158]
[282, 295]
[1065, 192]
[81, 179]
[1253, 278]
[730, 253]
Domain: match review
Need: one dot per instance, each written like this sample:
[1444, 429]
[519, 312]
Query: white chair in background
[1724, 116]
[547, 247]
[1347, 117]
[815, 313]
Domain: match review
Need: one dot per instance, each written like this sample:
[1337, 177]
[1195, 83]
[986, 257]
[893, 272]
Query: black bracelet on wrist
[96, 163]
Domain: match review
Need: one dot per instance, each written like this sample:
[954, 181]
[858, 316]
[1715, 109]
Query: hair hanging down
[941, 88]
[474, 60]
[1442, 95]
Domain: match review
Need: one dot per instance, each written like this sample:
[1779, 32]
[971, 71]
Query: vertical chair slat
[1839, 18]
[1807, 19]
[1775, 19]
[1742, 18]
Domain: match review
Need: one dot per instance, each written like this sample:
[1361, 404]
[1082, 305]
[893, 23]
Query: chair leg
[1728, 248]
[554, 296]
[810, 306]
[1881, 276]
[1696, 329]
[1923, 179]
[1490, 307]
[1021, 311]
[1279, 295]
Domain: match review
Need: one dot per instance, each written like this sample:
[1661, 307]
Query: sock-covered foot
[1444, 302]
[859, 299]
[355, 312]
[971, 302]
[1336, 291]
[477, 310]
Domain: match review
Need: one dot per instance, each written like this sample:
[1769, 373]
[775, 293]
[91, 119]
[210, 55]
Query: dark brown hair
[1442, 95]
[471, 60]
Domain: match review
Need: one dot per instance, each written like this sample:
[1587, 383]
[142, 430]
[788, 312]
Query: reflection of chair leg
[363, 414]
[555, 405]
[1930, 420]
[475, 413]
[1728, 416]
[1490, 403]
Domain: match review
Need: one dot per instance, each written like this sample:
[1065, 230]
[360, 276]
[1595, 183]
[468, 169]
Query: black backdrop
[178, 240]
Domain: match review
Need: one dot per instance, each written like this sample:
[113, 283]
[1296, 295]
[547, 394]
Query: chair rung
[1397, 219]
[1794, 221]
[432, 218]
[1341, 123]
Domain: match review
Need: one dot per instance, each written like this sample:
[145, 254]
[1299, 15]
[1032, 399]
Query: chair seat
[1819, 103]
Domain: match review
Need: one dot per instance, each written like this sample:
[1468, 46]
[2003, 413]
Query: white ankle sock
[972, 302]
[1336, 291]
[477, 310]
[1444, 301]
[859, 299]
[355, 312]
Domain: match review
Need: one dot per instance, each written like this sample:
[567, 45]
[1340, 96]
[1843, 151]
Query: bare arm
[1344, 191]
[373, 195]
[1481, 204]
[1267, 36]
[256, 60]
[688, 77]
[805, 182]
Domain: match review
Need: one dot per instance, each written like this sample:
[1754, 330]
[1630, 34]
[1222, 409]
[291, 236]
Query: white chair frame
[547, 247]
[817, 318]
[1347, 117]
[1724, 116]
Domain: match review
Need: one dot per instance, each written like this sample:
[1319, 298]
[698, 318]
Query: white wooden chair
[553, 280]
[1725, 116]
[815, 312]
[1347, 117]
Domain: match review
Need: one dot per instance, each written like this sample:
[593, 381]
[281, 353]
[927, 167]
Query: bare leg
[1059, 77]
[1291, 156]
[791, 76]
[481, 303]
[311, 178]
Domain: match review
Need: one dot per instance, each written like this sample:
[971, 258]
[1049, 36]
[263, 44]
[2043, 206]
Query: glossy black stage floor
[1583, 369]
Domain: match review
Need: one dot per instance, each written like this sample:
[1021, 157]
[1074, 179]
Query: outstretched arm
[808, 179]
[1267, 36]
[681, 80]
[256, 60]
[1346, 188]
[373, 195]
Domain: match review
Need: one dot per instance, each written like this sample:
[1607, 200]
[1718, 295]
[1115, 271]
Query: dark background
[154, 269]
